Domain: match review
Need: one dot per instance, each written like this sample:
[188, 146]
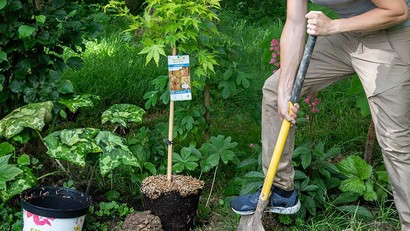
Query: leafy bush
[34, 36]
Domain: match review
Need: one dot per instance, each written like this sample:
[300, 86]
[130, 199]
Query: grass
[114, 71]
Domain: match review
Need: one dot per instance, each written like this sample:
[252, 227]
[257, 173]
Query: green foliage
[78, 101]
[105, 215]
[257, 11]
[15, 177]
[33, 116]
[9, 172]
[356, 90]
[179, 23]
[358, 174]
[74, 145]
[216, 150]
[11, 218]
[315, 175]
[188, 159]
[32, 45]
[113, 209]
[123, 114]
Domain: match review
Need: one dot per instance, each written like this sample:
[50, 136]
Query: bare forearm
[292, 41]
[375, 19]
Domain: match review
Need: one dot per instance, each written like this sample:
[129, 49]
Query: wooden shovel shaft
[274, 162]
[284, 130]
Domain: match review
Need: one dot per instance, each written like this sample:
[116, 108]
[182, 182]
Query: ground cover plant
[338, 189]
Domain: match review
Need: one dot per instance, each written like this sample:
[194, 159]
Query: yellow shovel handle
[277, 153]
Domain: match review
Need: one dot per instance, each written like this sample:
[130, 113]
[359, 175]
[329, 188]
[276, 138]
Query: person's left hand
[318, 23]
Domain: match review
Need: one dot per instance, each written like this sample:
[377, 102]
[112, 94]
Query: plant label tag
[179, 77]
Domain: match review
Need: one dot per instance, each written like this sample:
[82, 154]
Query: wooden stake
[170, 132]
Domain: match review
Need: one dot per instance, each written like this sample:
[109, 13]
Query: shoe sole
[279, 210]
[284, 210]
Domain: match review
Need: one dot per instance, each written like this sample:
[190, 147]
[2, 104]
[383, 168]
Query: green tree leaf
[153, 52]
[40, 19]
[3, 4]
[3, 56]
[26, 31]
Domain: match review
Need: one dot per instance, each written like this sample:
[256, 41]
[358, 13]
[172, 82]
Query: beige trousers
[382, 61]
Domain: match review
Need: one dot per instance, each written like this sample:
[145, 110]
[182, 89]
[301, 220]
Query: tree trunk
[207, 104]
[371, 140]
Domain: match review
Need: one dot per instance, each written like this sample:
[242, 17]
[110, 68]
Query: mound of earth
[142, 221]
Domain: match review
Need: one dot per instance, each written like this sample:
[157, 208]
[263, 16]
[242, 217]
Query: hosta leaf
[123, 114]
[72, 145]
[15, 188]
[115, 152]
[84, 100]
[34, 116]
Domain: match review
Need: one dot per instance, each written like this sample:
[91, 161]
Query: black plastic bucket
[54, 208]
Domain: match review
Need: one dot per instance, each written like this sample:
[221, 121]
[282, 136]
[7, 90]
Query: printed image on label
[179, 77]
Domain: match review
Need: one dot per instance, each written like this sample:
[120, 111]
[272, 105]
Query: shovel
[254, 222]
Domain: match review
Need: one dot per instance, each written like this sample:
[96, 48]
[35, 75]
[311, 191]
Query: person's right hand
[283, 109]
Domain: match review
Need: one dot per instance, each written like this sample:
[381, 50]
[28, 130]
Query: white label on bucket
[34, 222]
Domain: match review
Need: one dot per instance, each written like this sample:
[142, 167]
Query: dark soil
[142, 221]
[174, 202]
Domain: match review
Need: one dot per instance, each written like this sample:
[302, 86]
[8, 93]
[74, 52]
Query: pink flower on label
[39, 220]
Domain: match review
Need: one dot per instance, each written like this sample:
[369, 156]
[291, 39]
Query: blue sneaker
[246, 204]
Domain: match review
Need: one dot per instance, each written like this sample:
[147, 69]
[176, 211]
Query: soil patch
[142, 221]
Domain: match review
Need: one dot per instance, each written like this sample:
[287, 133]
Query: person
[371, 38]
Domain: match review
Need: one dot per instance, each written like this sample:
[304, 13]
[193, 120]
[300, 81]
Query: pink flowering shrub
[312, 101]
[275, 50]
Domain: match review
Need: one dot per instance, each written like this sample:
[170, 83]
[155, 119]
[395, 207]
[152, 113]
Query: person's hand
[318, 23]
[283, 109]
